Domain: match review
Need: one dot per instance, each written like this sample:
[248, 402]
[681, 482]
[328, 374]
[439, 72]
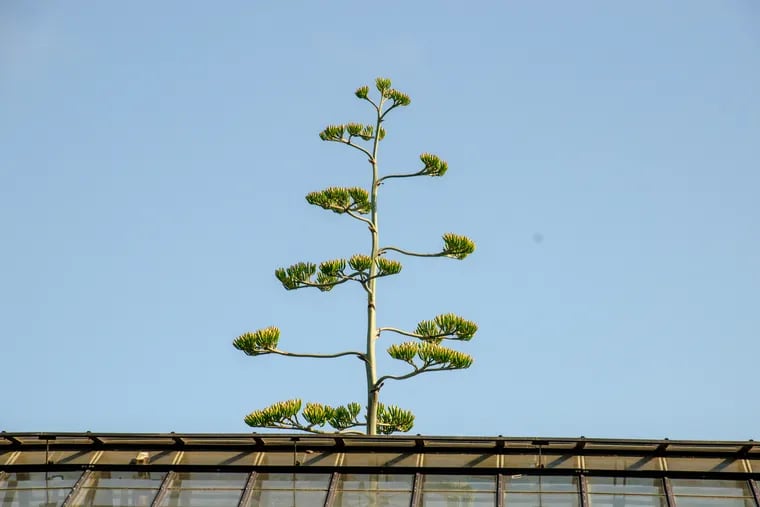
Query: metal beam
[331, 489]
[75, 490]
[162, 489]
[583, 490]
[416, 490]
[755, 491]
[669, 496]
[245, 498]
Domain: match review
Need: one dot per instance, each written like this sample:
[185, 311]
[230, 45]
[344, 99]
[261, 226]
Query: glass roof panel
[541, 500]
[124, 479]
[292, 481]
[201, 498]
[460, 460]
[719, 488]
[705, 464]
[118, 488]
[26, 480]
[625, 485]
[389, 459]
[374, 489]
[598, 500]
[375, 482]
[434, 482]
[244, 458]
[206, 480]
[622, 463]
[545, 484]
[711, 501]
[296, 490]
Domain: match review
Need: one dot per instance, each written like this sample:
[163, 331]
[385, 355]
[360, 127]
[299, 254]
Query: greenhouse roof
[173, 469]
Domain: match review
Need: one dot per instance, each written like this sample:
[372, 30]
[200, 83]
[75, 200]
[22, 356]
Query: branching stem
[359, 217]
[411, 374]
[412, 254]
[410, 175]
[318, 356]
[399, 331]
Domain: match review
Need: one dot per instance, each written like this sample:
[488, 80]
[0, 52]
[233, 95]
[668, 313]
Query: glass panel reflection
[541, 499]
[626, 492]
[289, 490]
[204, 490]
[119, 489]
[458, 491]
[544, 484]
[626, 485]
[712, 493]
[599, 500]
[541, 491]
[374, 489]
[22, 489]
[698, 487]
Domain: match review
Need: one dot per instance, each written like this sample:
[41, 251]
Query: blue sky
[603, 155]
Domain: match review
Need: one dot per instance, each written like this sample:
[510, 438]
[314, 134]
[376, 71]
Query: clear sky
[603, 155]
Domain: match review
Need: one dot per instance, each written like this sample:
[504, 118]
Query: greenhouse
[261, 469]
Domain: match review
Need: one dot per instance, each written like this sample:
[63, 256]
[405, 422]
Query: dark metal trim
[94, 438]
[416, 490]
[247, 490]
[583, 490]
[75, 489]
[331, 489]
[668, 488]
[755, 491]
[500, 490]
[322, 469]
[10, 438]
[162, 489]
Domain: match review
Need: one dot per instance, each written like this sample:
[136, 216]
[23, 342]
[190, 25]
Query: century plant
[425, 352]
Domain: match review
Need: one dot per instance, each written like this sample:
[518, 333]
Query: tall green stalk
[425, 353]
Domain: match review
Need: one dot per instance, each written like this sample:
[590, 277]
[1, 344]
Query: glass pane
[290, 490]
[706, 501]
[541, 500]
[196, 480]
[201, 498]
[378, 498]
[546, 484]
[710, 488]
[459, 483]
[274, 498]
[635, 485]
[627, 501]
[292, 481]
[35, 497]
[462, 499]
[15, 480]
[119, 489]
[119, 479]
[384, 482]
[90, 497]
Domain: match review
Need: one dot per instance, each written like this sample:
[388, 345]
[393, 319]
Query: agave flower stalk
[424, 353]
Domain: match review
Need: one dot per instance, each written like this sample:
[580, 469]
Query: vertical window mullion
[247, 490]
[416, 490]
[755, 491]
[162, 489]
[500, 490]
[331, 488]
[583, 490]
[77, 486]
[668, 488]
